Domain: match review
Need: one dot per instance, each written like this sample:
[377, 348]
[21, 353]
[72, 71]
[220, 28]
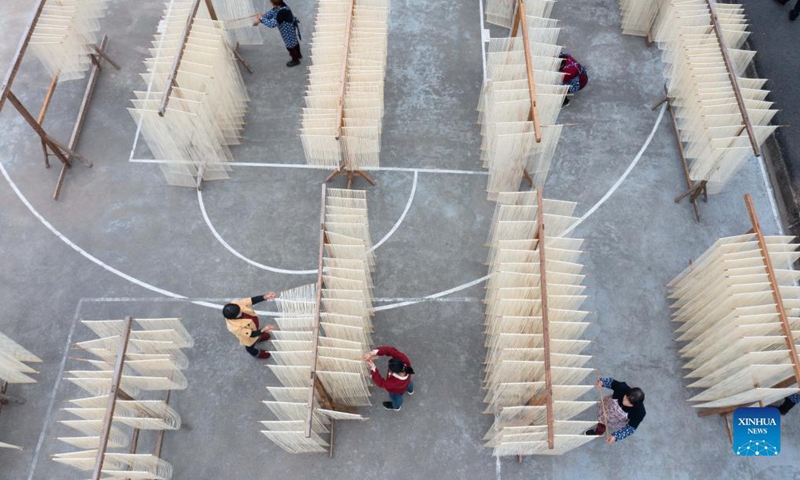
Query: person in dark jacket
[789, 403]
[623, 410]
[281, 16]
[242, 322]
[794, 12]
[575, 74]
[398, 378]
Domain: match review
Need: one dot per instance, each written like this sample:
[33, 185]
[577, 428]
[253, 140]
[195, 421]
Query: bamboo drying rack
[343, 169]
[116, 393]
[176, 64]
[521, 20]
[777, 298]
[64, 153]
[316, 386]
[548, 380]
[696, 189]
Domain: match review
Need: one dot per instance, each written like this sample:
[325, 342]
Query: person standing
[789, 403]
[242, 322]
[281, 16]
[623, 412]
[794, 12]
[398, 378]
[575, 74]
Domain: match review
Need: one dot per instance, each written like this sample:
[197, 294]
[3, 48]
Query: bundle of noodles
[207, 106]
[507, 104]
[153, 361]
[342, 120]
[735, 348]
[518, 342]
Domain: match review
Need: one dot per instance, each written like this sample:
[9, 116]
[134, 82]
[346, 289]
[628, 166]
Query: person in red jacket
[398, 378]
[575, 74]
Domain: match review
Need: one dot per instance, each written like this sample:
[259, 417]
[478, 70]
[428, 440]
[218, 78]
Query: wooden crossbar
[108, 418]
[521, 20]
[734, 83]
[317, 316]
[548, 380]
[63, 152]
[773, 281]
[176, 62]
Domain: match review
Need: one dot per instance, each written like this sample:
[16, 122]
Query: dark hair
[277, 3]
[231, 310]
[397, 366]
[635, 396]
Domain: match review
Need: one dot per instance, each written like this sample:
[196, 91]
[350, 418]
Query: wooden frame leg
[527, 176]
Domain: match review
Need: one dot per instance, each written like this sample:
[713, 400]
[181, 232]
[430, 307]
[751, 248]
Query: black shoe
[590, 432]
[293, 63]
[793, 16]
[566, 102]
[389, 406]
[782, 2]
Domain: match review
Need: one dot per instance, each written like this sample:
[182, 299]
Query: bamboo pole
[734, 83]
[176, 62]
[315, 346]
[602, 403]
[108, 418]
[523, 22]
[776, 293]
[548, 380]
[346, 50]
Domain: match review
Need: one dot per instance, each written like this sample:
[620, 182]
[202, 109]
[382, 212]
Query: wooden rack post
[65, 153]
[520, 19]
[108, 418]
[343, 167]
[778, 299]
[548, 379]
[732, 75]
[694, 190]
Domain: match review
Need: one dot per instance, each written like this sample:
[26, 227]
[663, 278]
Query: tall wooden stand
[695, 189]
[64, 153]
[343, 168]
[548, 379]
[785, 326]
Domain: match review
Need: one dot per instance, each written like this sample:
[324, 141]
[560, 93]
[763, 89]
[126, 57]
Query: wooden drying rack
[548, 379]
[521, 19]
[343, 169]
[778, 299]
[65, 153]
[116, 393]
[176, 64]
[696, 189]
[316, 386]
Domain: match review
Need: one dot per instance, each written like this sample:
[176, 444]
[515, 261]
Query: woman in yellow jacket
[242, 322]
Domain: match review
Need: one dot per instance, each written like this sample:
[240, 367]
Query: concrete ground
[121, 242]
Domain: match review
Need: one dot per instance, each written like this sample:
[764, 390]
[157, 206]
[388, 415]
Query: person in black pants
[795, 12]
[242, 322]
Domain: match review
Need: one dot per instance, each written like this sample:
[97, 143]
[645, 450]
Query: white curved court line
[301, 272]
[167, 293]
[575, 225]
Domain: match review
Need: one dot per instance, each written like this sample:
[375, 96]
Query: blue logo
[757, 432]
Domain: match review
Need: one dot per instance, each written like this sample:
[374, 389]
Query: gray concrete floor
[121, 242]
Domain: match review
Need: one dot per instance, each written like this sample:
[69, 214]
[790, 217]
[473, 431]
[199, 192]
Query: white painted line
[300, 166]
[402, 216]
[770, 194]
[624, 175]
[300, 272]
[414, 301]
[54, 393]
[152, 78]
[239, 255]
[484, 38]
